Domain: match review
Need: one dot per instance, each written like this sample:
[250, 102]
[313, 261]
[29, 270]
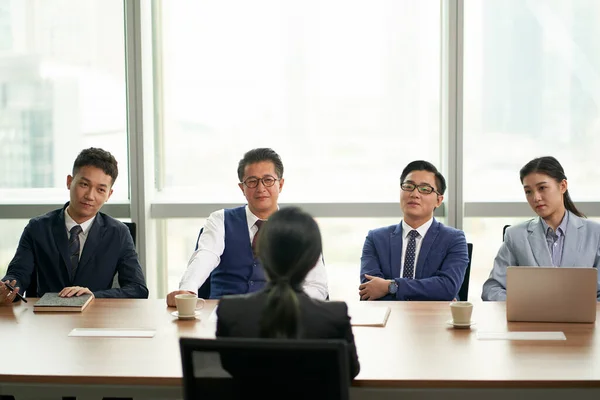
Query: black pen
[12, 289]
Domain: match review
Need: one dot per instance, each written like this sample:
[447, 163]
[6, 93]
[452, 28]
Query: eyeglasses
[423, 189]
[267, 181]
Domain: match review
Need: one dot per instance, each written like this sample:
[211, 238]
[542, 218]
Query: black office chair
[235, 368]
[204, 290]
[504, 231]
[463, 293]
[133, 230]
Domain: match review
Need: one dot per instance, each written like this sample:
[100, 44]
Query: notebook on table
[52, 302]
[551, 294]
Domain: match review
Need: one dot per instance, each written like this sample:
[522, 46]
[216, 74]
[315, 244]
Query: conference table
[416, 355]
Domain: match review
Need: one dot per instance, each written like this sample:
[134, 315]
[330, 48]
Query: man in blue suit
[420, 258]
[77, 249]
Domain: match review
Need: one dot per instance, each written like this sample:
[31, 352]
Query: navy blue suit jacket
[108, 249]
[441, 264]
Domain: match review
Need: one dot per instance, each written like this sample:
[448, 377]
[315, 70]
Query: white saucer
[176, 314]
[460, 326]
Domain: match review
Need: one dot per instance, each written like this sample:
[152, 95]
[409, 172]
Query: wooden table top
[416, 349]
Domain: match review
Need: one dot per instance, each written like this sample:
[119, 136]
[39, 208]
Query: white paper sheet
[521, 335]
[111, 332]
[368, 314]
[213, 315]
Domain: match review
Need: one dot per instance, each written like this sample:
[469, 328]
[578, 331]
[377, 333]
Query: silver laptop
[551, 294]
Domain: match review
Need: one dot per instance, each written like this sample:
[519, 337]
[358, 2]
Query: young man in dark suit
[419, 258]
[77, 249]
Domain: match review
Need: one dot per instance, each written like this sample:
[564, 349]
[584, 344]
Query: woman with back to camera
[560, 236]
[289, 247]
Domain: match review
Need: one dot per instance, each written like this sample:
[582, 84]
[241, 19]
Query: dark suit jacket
[108, 249]
[239, 316]
[441, 263]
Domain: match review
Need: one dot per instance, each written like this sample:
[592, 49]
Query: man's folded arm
[369, 260]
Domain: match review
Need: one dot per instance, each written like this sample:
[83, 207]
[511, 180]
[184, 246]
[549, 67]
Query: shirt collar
[561, 229]
[70, 223]
[422, 229]
[251, 218]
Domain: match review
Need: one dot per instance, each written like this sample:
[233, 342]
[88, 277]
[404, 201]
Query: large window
[62, 88]
[531, 88]
[347, 92]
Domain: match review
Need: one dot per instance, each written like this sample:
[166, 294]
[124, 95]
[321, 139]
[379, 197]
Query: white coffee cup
[461, 312]
[187, 304]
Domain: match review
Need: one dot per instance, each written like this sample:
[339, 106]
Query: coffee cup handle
[202, 303]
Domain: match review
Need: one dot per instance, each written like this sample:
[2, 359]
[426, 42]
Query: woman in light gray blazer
[560, 236]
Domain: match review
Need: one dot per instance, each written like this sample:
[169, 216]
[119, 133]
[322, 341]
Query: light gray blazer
[525, 245]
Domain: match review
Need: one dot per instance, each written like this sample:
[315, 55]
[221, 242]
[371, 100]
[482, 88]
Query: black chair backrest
[504, 231]
[463, 293]
[234, 368]
[133, 230]
[204, 290]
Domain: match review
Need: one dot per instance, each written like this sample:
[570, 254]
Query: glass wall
[347, 92]
[531, 88]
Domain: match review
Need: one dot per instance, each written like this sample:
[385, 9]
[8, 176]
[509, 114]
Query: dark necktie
[74, 248]
[258, 223]
[409, 259]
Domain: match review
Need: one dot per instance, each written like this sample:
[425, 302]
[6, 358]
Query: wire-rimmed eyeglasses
[267, 181]
[423, 188]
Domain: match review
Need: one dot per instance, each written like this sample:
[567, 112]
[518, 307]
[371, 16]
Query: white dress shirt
[418, 241]
[70, 223]
[212, 245]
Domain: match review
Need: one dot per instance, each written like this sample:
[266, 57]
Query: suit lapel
[574, 237]
[396, 251]
[59, 230]
[537, 241]
[92, 241]
[426, 245]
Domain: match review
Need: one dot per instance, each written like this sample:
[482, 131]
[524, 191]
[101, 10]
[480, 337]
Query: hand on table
[374, 289]
[74, 291]
[6, 295]
[171, 296]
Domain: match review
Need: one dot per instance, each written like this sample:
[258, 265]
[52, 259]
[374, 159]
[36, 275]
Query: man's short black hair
[421, 165]
[96, 157]
[257, 155]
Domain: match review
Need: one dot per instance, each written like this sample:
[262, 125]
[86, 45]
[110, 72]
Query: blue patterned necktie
[74, 248]
[409, 260]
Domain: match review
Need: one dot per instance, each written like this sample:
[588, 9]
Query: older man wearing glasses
[419, 258]
[225, 251]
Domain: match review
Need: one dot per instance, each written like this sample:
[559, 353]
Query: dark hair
[421, 165]
[550, 166]
[289, 246]
[95, 157]
[258, 155]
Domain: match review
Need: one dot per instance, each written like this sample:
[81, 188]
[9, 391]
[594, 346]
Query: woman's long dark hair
[550, 166]
[289, 246]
